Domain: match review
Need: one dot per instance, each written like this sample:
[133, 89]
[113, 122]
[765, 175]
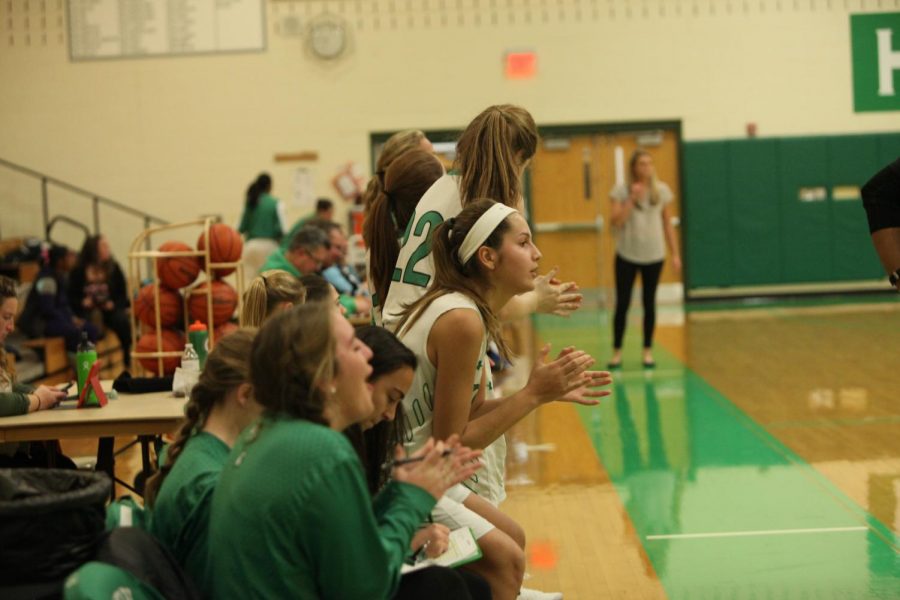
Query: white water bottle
[190, 360]
[190, 368]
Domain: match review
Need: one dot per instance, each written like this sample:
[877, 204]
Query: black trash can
[51, 522]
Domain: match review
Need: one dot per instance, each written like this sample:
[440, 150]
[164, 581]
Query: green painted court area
[722, 508]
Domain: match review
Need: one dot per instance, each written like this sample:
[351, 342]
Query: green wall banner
[876, 61]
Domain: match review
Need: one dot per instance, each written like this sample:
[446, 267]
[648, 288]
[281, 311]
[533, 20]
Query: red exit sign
[521, 65]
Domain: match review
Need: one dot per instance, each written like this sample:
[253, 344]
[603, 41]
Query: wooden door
[571, 177]
[565, 207]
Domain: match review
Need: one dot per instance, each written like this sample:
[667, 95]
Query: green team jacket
[262, 221]
[292, 518]
[180, 516]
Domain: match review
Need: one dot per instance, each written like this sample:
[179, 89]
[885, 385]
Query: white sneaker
[527, 594]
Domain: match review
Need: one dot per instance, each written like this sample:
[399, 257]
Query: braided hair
[226, 368]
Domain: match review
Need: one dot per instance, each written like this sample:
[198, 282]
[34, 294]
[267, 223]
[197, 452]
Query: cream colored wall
[183, 136]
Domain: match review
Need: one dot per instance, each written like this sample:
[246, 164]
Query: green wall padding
[806, 226]
[746, 225]
[706, 189]
[755, 218]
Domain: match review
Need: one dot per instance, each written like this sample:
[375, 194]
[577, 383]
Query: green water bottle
[199, 338]
[85, 358]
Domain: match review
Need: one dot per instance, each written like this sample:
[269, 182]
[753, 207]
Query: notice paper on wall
[304, 196]
[103, 29]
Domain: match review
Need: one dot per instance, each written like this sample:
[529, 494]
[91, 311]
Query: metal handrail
[96, 199]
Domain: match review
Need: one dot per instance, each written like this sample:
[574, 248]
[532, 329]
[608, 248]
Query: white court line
[685, 536]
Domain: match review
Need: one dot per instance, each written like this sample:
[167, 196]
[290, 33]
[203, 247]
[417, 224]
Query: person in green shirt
[179, 495]
[15, 398]
[262, 224]
[18, 399]
[291, 516]
[324, 212]
[306, 253]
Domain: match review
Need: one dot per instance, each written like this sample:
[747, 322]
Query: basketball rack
[140, 260]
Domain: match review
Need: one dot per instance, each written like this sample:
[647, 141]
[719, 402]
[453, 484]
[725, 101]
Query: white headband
[482, 230]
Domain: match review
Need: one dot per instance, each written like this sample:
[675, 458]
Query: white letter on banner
[888, 62]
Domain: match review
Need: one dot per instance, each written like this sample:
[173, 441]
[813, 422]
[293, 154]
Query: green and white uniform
[180, 515]
[418, 404]
[415, 265]
[292, 518]
[412, 277]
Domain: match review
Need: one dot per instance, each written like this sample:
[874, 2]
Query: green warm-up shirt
[264, 221]
[277, 260]
[180, 516]
[292, 518]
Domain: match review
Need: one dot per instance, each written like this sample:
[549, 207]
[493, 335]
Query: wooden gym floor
[761, 459]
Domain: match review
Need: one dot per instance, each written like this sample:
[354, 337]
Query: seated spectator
[324, 211]
[221, 406]
[341, 275]
[319, 290]
[47, 312]
[291, 517]
[18, 399]
[306, 253]
[97, 291]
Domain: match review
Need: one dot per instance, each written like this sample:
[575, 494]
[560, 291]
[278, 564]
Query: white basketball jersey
[414, 271]
[418, 404]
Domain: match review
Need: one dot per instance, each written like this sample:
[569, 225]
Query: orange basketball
[224, 330]
[171, 307]
[226, 246]
[177, 271]
[172, 341]
[224, 300]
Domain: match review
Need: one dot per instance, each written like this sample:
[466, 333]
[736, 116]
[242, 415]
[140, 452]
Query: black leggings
[626, 271]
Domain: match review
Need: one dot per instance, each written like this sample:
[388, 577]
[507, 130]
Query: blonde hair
[396, 145]
[266, 292]
[654, 180]
[491, 152]
[292, 356]
[468, 279]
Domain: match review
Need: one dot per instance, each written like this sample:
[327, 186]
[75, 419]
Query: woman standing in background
[641, 215]
[262, 225]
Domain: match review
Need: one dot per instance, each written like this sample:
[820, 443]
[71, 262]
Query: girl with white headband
[483, 257]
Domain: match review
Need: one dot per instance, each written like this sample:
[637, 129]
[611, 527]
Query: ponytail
[262, 185]
[396, 145]
[266, 292]
[227, 367]
[491, 154]
[405, 182]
